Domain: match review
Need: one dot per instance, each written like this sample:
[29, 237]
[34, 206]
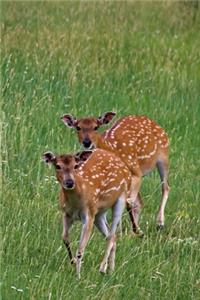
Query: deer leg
[101, 224]
[135, 204]
[67, 222]
[134, 213]
[162, 166]
[111, 259]
[87, 226]
[111, 244]
[109, 256]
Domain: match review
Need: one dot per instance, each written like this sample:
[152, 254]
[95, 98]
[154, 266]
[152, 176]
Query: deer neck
[72, 198]
[104, 143]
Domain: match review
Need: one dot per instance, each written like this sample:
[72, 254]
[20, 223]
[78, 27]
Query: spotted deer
[91, 183]
[140, 143]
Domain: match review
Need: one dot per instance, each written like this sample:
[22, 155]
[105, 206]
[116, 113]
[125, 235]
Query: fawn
[140, 143]
[91, 183]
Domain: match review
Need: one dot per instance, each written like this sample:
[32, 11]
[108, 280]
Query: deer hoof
[73, 261]
[139, 233]
[103, 268]
[160, 227]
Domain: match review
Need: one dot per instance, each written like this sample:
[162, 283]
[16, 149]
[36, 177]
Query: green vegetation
[86, 58]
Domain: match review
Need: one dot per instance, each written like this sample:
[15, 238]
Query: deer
[91, 183]
[139, 142]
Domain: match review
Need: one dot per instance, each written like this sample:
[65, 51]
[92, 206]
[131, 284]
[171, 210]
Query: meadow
[85, 58]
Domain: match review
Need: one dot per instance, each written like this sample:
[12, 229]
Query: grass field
[85, 58]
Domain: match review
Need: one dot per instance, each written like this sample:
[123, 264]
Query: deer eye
[78, 128]
[96, 127]
[58, 167]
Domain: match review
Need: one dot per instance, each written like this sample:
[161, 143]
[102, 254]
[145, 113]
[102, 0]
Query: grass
[86, 58]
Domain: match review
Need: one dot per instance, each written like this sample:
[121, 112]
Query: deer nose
[69, 183]
[87, 143]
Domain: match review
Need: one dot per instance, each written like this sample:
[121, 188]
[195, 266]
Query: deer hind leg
[134, 205]
[134, 213]
[111, 259]
[163, 167]
[101, 224]
[109, 256]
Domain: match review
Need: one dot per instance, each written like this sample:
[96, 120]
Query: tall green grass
[85, 58]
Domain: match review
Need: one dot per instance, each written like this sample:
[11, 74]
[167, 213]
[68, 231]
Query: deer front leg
[87, 225]
[67, 222]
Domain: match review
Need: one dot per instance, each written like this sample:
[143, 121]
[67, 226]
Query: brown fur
[98, 183]
[139, 142]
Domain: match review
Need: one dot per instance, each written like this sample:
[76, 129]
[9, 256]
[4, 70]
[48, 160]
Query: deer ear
[69, 121]
[49, 157]
[82, 156]
[106, 118]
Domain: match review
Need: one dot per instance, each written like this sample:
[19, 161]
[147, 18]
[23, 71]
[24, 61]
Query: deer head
[87, 128]
[65, 166]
